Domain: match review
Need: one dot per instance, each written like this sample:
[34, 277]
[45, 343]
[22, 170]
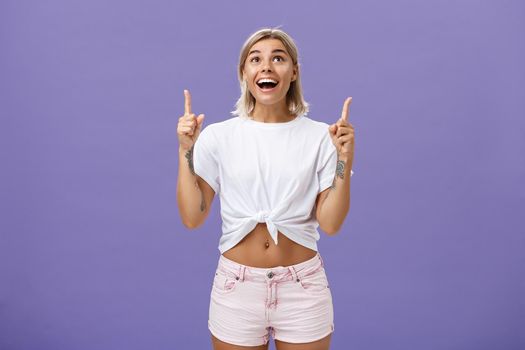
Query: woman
[280, 175]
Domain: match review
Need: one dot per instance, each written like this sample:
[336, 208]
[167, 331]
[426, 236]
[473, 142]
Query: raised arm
[194, 195]
[333, 204]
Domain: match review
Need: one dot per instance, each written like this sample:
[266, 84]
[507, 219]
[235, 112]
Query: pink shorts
[292, 304]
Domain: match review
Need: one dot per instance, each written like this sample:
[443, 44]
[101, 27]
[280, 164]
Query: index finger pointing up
[346, 107]
[187, 102]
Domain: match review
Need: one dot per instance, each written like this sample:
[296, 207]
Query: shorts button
[270, 274]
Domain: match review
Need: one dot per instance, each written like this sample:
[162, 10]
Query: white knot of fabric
[264, 217]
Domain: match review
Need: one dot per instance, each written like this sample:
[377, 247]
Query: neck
[277, 113]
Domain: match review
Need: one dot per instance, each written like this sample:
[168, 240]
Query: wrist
[183, 150]
[346, 158]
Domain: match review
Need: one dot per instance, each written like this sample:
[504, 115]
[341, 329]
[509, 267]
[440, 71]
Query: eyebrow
[274, 51]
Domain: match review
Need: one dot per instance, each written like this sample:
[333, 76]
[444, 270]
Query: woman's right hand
[189, 126]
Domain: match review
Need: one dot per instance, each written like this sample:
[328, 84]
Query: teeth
[265, 80]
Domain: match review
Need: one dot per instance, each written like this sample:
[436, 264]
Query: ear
[294, 75]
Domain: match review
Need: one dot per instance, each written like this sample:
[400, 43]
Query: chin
[269, 99]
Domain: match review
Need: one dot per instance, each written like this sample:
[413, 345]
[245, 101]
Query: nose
[267, 67]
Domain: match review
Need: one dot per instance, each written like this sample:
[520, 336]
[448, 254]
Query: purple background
[93, 254]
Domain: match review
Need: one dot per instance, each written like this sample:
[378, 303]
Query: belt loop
[242, 273]
[320, 258]
[294, 274]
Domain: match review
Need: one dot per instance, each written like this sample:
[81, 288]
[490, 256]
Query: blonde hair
[294, 97]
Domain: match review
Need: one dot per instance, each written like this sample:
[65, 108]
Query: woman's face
[269, 59]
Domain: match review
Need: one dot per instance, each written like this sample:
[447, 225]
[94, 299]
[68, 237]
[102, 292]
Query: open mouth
[267, 84]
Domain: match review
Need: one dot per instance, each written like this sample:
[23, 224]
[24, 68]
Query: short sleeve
[205, 160]
[327, 163]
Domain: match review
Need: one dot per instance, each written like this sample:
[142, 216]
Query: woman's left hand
[342, 134]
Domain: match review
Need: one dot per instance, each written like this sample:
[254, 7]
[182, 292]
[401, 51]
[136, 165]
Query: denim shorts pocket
[224, 282]
[315, 283]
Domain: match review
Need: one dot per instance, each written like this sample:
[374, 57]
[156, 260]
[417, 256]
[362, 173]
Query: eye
[279, 57]
[254, 58]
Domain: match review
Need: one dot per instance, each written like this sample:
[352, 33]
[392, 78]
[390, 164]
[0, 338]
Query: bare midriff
[257, 249]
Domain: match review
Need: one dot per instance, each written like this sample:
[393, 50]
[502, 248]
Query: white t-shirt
[267, 172]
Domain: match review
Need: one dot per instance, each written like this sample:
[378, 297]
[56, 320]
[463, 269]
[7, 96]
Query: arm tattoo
[339, 172]
[189, 157]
